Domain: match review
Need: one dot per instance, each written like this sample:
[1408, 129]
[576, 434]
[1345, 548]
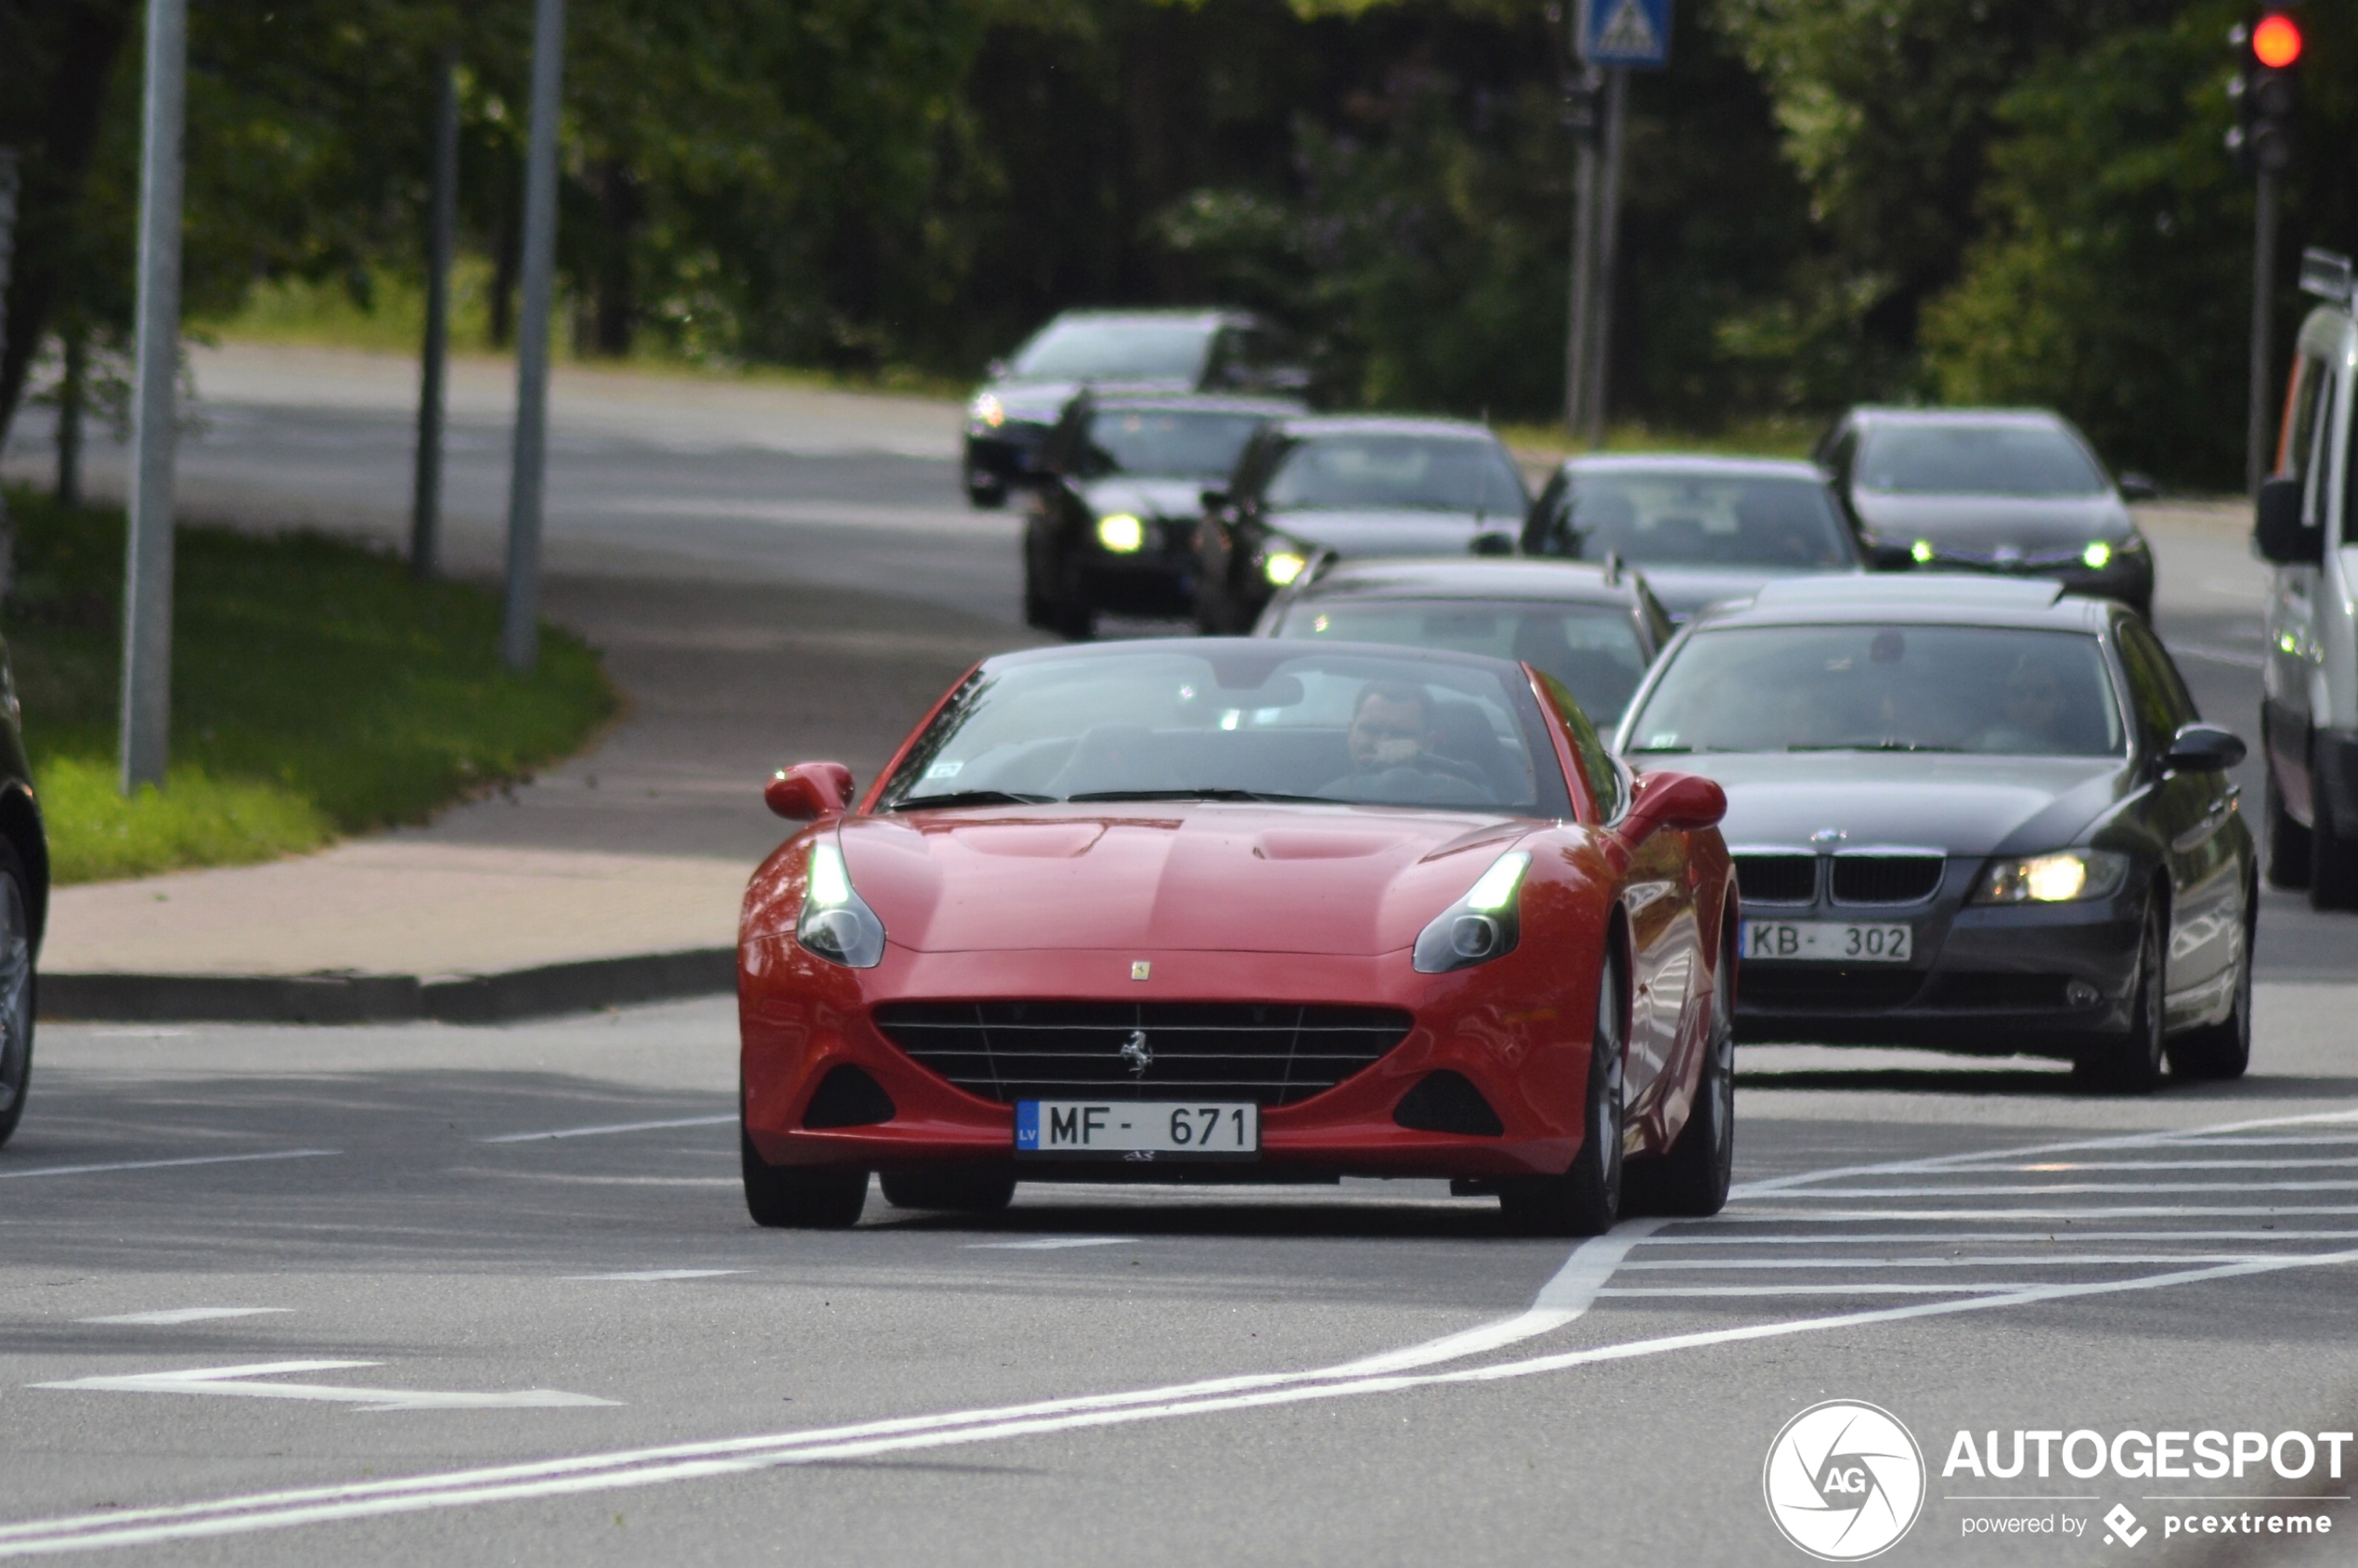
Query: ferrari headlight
[836, 924]
[1283, 567]
[1483, 924]
[2053, 879]
[987, 410]
[1121, 533]
[2097, 556]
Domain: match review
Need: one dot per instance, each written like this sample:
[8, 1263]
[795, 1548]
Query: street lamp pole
[520, 628]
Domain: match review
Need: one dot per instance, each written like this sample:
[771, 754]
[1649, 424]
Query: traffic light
[2266, 90]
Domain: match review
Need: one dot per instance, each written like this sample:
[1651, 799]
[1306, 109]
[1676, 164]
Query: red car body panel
[1241, 902]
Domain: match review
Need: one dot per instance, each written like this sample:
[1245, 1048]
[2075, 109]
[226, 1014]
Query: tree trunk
[72, 393]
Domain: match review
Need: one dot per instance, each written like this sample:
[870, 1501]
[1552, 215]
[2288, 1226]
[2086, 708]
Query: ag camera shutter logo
[1844, 1481]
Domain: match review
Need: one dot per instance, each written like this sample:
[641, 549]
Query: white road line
[1917, 1238]
[1681, 1292]
[168, 1164]
[645, 1274]
[600, 1132]
[183, 1314]
[2064, 1165]
[234, 1381]
[2048, 1189]
[1050, 1243]
[2089, 1260]
[689, 1461]
[2120, 1212]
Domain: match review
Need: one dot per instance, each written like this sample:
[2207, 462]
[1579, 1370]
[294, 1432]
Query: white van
[2306, 527]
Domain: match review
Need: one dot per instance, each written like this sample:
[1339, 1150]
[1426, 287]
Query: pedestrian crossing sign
[1625, 33]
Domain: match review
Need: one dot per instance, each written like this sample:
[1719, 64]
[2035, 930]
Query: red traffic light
[2276, 41]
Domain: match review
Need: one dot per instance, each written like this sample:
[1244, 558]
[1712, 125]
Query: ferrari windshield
[1253, 721]
[1883, 688]
[1142, 349]
[1161, 441]
[1593, 649]
[1382, 470]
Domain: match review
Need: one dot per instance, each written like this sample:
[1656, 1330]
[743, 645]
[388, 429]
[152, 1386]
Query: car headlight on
[836, 924]
[2053, 879]
[1121, 533]
[2097, 556]
[988, 411]
[1483, 924]
[1283, 567]
[1921, 552]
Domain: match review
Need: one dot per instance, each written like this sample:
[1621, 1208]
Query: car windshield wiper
[1875, 745]
[1191, 795]
[971, 797]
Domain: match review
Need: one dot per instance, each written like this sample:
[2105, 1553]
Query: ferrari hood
[1155, 876]
[1961, 805]
[1406, 532]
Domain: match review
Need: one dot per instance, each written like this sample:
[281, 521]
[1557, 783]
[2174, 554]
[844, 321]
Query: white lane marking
[2040, 1189]
[1683, 1292]
[570, 1178]
[2065, 1165]
[661, 1274]
[2090, 1260]
[688, 1461]
[1917, 1238]
[1563, 1298]
[600, 1132]
[1050, 1244]
[234, 1382]
[2118, 1212]
[183, 1314]
[168, 1164]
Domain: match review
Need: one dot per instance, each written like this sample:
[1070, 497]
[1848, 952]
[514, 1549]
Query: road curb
[355, 998]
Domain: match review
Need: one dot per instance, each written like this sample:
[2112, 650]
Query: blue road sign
[1625, 33]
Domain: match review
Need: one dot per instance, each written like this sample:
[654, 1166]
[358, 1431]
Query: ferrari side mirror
[808, 791]
[1681, 802]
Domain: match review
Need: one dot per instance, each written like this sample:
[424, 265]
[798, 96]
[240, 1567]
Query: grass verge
[317, 691]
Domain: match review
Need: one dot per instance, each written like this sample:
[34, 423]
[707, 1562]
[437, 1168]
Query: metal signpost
[1611, 38]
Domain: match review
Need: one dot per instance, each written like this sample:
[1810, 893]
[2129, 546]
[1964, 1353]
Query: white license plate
[1838, 941]
[1137, 1130]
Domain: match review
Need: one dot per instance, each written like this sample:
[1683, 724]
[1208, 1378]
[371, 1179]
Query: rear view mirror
[2277, 527]
[2203, 748]
[1681, 802]
[808, 791]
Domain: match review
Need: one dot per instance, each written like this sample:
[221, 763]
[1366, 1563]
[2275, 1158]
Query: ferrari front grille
[1272, 1053]
[1886, 880]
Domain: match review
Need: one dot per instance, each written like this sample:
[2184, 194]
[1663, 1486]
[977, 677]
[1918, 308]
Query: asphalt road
[300, 1295]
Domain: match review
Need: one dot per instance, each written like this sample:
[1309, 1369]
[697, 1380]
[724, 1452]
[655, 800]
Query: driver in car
[1394, 740]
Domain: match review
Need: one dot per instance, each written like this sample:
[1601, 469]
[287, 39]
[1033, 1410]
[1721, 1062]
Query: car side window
[1597, 769]
[2317, 502]
[2154, 690]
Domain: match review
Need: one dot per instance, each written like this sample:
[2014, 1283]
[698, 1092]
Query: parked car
[1349, 486]
[2011, 491]
[2307, 528]
[1020, 402]
[1973, 815]
[24, 904]
[1117, 500]
[1242, 907]
[1703, 528]
[1594, 628]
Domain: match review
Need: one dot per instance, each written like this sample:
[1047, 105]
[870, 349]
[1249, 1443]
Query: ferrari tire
[2130, 1063]
[2223, 1049]
[797, 1197]
[17, 986]
[953, 1188]
[1586, 1199]
[1692, 1180]
[2288, 842]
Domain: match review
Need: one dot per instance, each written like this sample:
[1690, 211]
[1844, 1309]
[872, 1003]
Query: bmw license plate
[1136, 1130]
[1836, 941]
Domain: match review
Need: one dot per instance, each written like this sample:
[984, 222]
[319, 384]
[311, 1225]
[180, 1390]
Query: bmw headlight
[836, 924]
[2053, 879]
[1483, 924]
[1121, 533]
[988, 411]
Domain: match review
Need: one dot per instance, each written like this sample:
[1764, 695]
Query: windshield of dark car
[1261, 721]
[1976, 459]
[1883, 688]
[1593, 649]
[1075, 351]
[1160, 441]
[1414, 473]
[1670, 519]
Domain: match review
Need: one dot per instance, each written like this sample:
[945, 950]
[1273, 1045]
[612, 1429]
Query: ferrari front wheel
[797, 1197]
[1586, 1199]
[1692, 1180]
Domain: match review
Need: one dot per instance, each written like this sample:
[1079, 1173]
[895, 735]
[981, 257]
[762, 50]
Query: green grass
[317, 691]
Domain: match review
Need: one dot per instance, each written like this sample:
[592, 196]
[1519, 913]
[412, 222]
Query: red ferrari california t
[1242, 909]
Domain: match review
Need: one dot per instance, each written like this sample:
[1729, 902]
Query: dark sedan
[1977, 816]
[1348, 486]
[25, 905]
[1593, 628]
[2011, 491]
[1703, 528]
[1140, 350]
[1113, 514]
